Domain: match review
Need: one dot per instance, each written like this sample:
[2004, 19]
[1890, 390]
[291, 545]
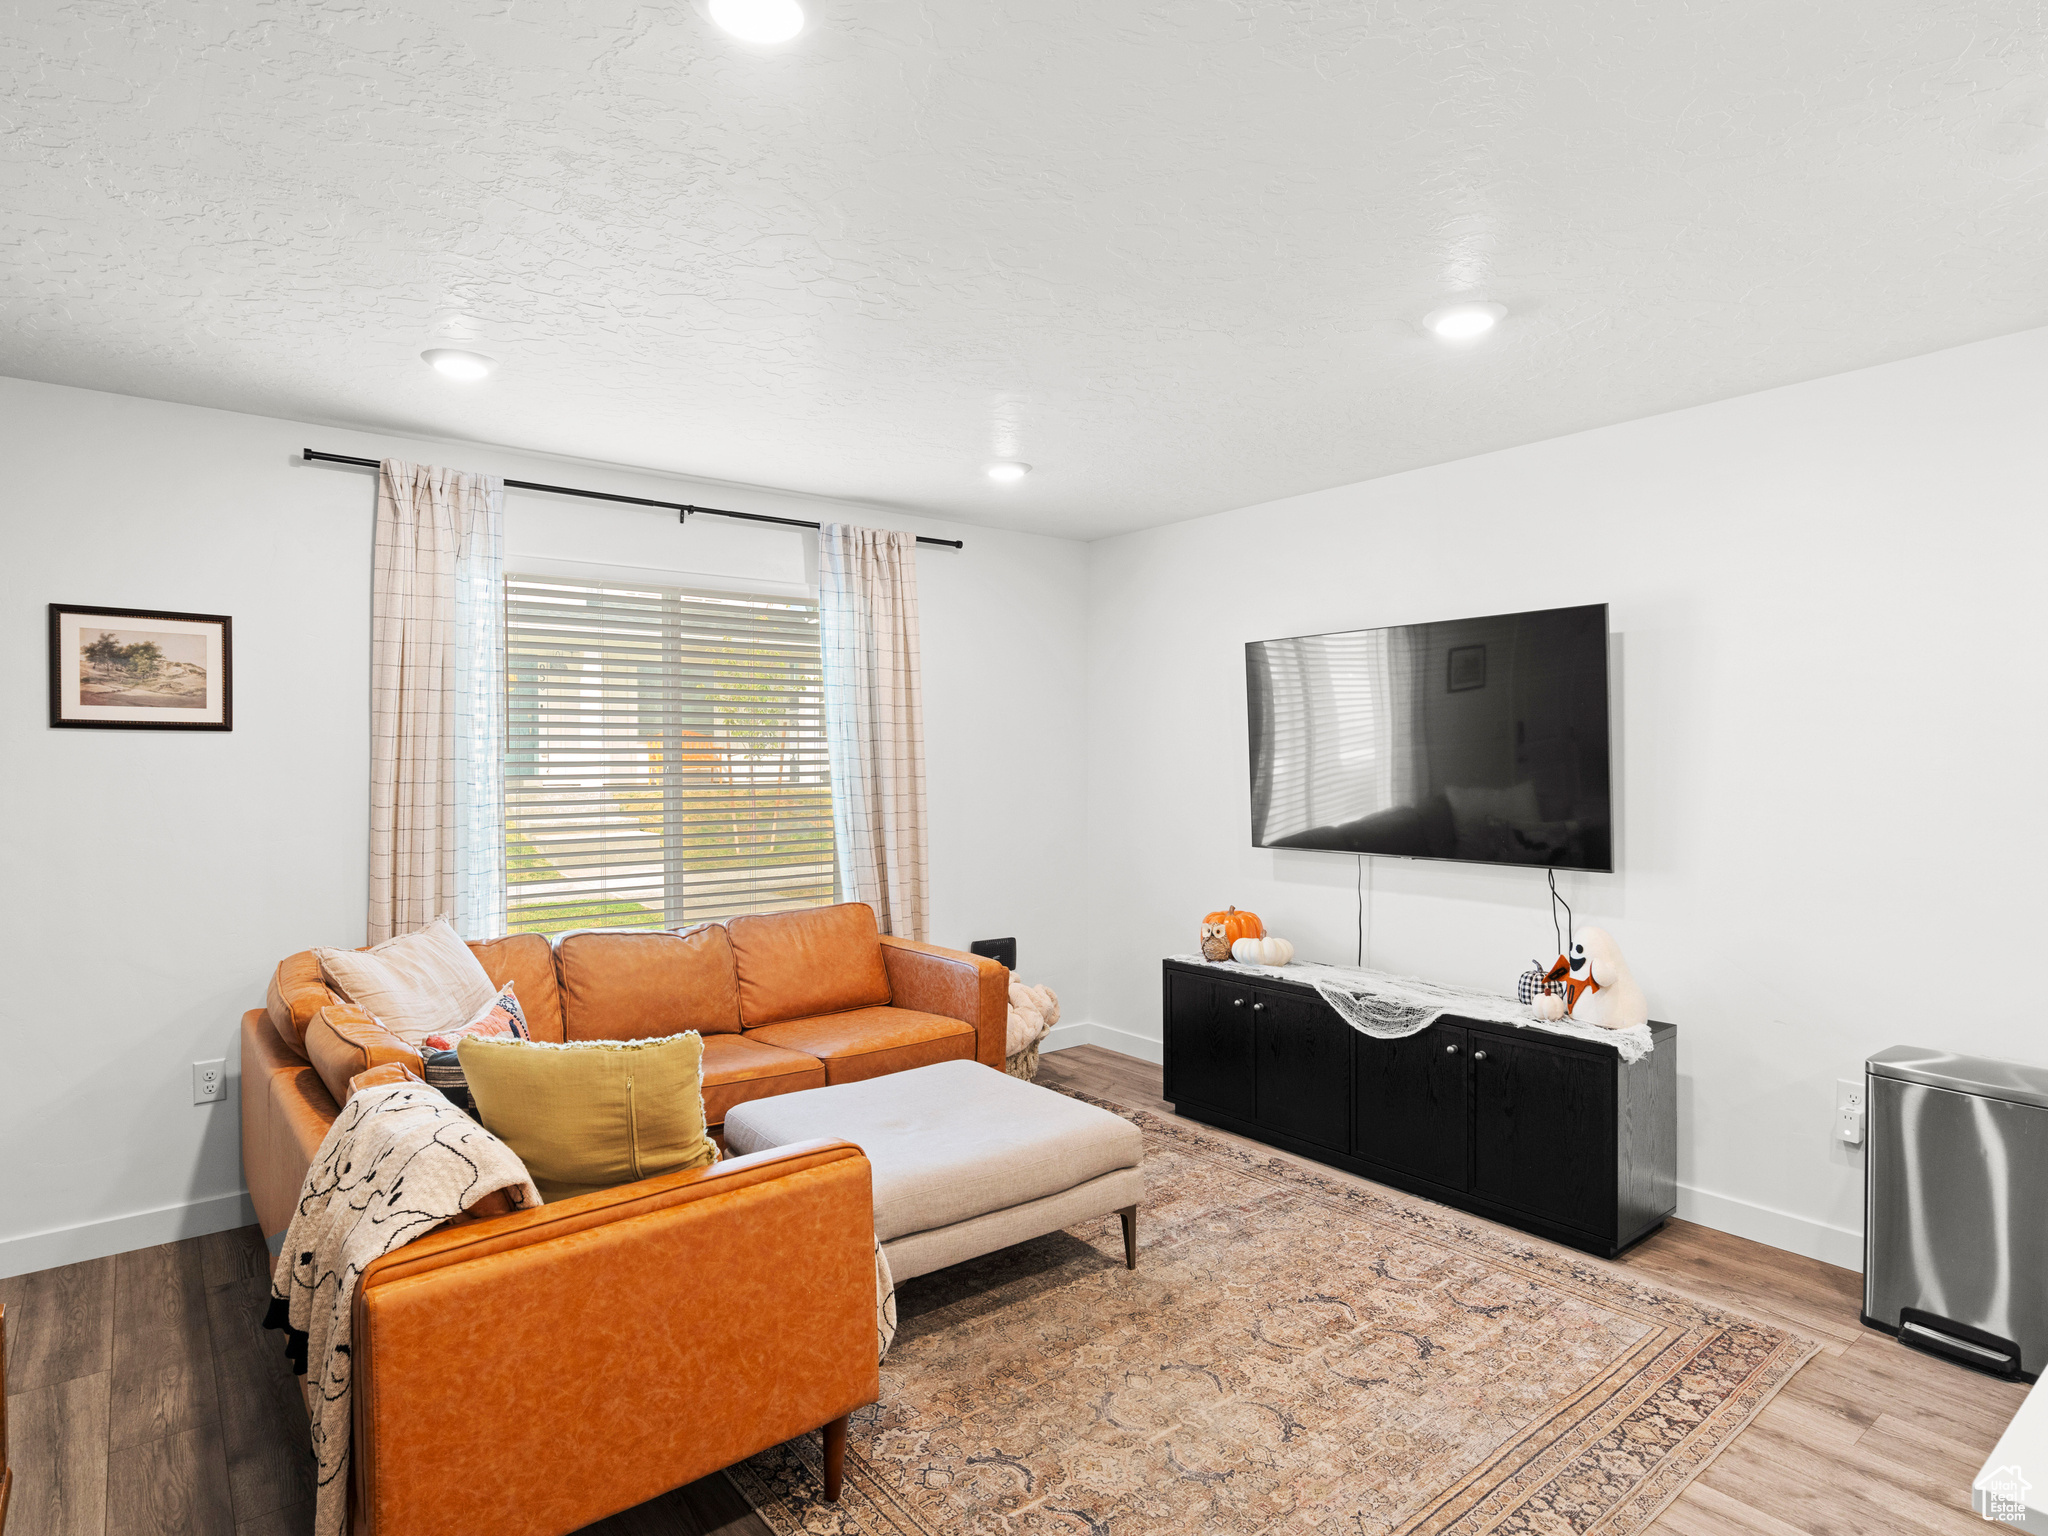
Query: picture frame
[1467, 669]
[140, 669]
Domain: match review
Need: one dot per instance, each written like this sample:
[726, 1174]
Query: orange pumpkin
[1237, 925]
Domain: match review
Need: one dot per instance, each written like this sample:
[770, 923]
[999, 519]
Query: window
[665, 756]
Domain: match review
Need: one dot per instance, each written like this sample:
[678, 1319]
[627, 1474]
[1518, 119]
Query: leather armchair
[529, 1374]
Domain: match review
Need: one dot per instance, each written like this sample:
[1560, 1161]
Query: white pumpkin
[1266, 951]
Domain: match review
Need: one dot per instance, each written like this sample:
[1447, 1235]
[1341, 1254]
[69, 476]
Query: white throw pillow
[416, 984]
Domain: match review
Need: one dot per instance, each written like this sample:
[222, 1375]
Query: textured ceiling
[1172, 254]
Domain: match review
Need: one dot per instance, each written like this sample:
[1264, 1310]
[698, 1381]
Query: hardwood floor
[144, 1396]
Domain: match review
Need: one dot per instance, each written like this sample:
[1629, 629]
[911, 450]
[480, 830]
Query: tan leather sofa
[557, 1365]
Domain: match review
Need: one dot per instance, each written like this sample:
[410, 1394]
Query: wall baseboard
[1777, 1229]
[32, 1251]
[1110, 1038]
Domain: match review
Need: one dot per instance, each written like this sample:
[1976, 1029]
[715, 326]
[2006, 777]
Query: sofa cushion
[867, 1042]
[739, 1068]
[592, 1114]
[343, 1042]
[796, 965]
[414, 984]
[634, 986]
[527, 960]
[297, 992]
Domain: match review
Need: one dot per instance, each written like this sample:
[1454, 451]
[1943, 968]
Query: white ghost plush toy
[1603, 992]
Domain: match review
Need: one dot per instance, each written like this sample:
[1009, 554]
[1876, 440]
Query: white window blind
[665, 756]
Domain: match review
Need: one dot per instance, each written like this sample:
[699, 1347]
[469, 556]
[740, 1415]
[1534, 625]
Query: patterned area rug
[1292, 1354]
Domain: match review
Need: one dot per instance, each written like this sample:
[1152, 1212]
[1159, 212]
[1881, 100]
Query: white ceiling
[1171, 253]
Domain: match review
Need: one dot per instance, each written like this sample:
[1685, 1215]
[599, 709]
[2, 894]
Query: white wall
[1831, 722]
[1828, 630]
[149, 881]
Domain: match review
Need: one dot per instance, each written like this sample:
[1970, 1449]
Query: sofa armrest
[388, 1074]
[297, 992]
[582, 1357]
[971, 988]
[343, 1043]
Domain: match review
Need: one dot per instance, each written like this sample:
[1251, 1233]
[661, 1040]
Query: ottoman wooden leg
[835, 1457]
[1129, 1216]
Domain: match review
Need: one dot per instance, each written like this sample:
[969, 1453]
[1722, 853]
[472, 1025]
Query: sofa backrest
[527, 960]
[630, 986]
[795, 964]
[599, 985]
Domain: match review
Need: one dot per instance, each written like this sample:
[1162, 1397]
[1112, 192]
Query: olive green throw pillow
[593, 1113]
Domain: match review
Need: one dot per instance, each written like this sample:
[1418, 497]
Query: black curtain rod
[684, 509]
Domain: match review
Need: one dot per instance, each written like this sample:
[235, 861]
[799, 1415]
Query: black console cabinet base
[1555, 1135]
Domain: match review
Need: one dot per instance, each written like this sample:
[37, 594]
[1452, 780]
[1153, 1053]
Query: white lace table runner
[1388, 1007]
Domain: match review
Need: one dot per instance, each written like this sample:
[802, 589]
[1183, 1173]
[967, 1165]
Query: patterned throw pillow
[502, 1018]
[502, 1015]
[443, 1070]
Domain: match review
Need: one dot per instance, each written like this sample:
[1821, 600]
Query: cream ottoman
[967, 1159]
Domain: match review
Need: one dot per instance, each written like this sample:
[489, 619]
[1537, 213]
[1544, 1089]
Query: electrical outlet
[209, 1081]
[1849, 1111]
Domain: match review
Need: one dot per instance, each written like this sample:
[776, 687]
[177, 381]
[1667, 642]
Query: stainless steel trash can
[1955, 1207]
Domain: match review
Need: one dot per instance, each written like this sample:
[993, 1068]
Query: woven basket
[1024, 1064]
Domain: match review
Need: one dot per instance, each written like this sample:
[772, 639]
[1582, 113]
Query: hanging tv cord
[1557, 901]
[1361, 911]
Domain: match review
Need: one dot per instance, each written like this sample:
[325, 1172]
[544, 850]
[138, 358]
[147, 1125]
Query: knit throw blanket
[398, 1162]
[1033, 1011]
[1390, 1007]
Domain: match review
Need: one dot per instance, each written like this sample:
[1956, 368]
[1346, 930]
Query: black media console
[1552, 1134]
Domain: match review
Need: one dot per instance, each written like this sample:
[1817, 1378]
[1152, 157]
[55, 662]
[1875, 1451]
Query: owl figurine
[1214, 945]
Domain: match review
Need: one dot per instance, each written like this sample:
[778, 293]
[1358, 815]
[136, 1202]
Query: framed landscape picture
[140, 669]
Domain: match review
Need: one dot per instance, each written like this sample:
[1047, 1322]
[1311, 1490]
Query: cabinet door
[1209, 1061]
[1543, 1131]
[1304, 1072]
[1410, 1103]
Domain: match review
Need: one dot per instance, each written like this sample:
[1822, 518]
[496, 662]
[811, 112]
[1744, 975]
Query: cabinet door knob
[1237, 1002]
[1258, 1007]
[1451, 1049]
[1479, 1055]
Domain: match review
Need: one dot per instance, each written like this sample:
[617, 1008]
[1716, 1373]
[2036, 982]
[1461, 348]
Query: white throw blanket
[398, 1162]
[885, 1304]
[1389, 1007]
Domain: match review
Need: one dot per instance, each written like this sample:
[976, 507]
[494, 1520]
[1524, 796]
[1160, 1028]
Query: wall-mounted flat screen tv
[1476, 739]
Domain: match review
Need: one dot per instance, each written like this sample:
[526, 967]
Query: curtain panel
[874, 720]
[437, 702]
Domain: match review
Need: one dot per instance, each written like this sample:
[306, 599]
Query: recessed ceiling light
[1464, 322]
[759, 21]
[1009, 471]
[467, 366]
